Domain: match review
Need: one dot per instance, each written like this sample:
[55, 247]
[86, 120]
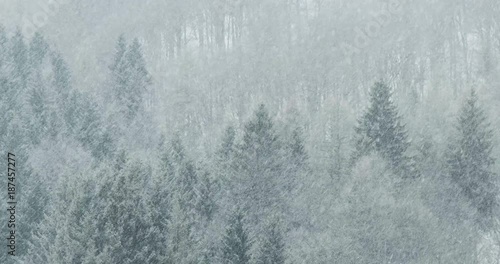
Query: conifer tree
[260, 173]
[206, 197]
[4, 41]
[273, 247]
[160, 201]
[226, 153]
[130, 77]
[51, 241]
[39, 96]
[225, 167]
[5, 83]
[127, 230]
[38, 99]
[139, 77]
[118, 71]
[470, 160]
[380, 130]
[61, 79]
[38, 50]
[236, 244]
[20, 61]
[34, 198]
[184, 221]
[185, 176]
[298, 158]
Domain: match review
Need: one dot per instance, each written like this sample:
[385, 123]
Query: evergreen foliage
[236, 245]
[380, 130]
[470, 160]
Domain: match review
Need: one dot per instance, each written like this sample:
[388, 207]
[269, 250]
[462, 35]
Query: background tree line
[101, 181]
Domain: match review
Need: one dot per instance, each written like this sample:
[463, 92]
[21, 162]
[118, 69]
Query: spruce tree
[38, 50]
[130, 77]
[34, 198]
[297, 166]
[470, 160]
[39, 104]
[225, 164]
[206, 197]
[184, 217]
[118, 73]
[273, 247]
[51, 242]
[226, 152]
[380, 130]
[160, 200]
[139, 77]
[3, 50]
[61, 79]
[40, 97]
[184, 175]
[260, 173]
[236, 244]
[126, 226]
[297, 149]
[20, 62]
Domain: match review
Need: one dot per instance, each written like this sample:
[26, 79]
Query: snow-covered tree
[185, 217]
[130, 77]
[381, 130]
[260, 172]
[272, 249]
[125, 224]
[236, 243]
[470, 159]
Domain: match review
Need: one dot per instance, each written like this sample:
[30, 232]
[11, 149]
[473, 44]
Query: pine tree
[5, 85]
[4, 41]
[118, 74]
[139, 77]
[84, 122]
[33, 197]
[298, 158]
[38, 50]
[260, 174]
[225, 166]
[51, 242]
[130, 77]
[90, 130]
[41, 102]
[160, 200]
[380, 130]
[470, 158]
[226, 152]
[20, 59]
[39, 105]
[184, 221]
[206, 197]
[273, 247]
[227, 148]
[236, 244]
[61, 79]
[13, 83]
[125, 224]
[185, 176]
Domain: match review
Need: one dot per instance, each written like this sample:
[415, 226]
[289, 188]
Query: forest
[259, 132]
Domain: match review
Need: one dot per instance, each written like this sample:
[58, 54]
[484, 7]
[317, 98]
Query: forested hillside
[263, 131]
